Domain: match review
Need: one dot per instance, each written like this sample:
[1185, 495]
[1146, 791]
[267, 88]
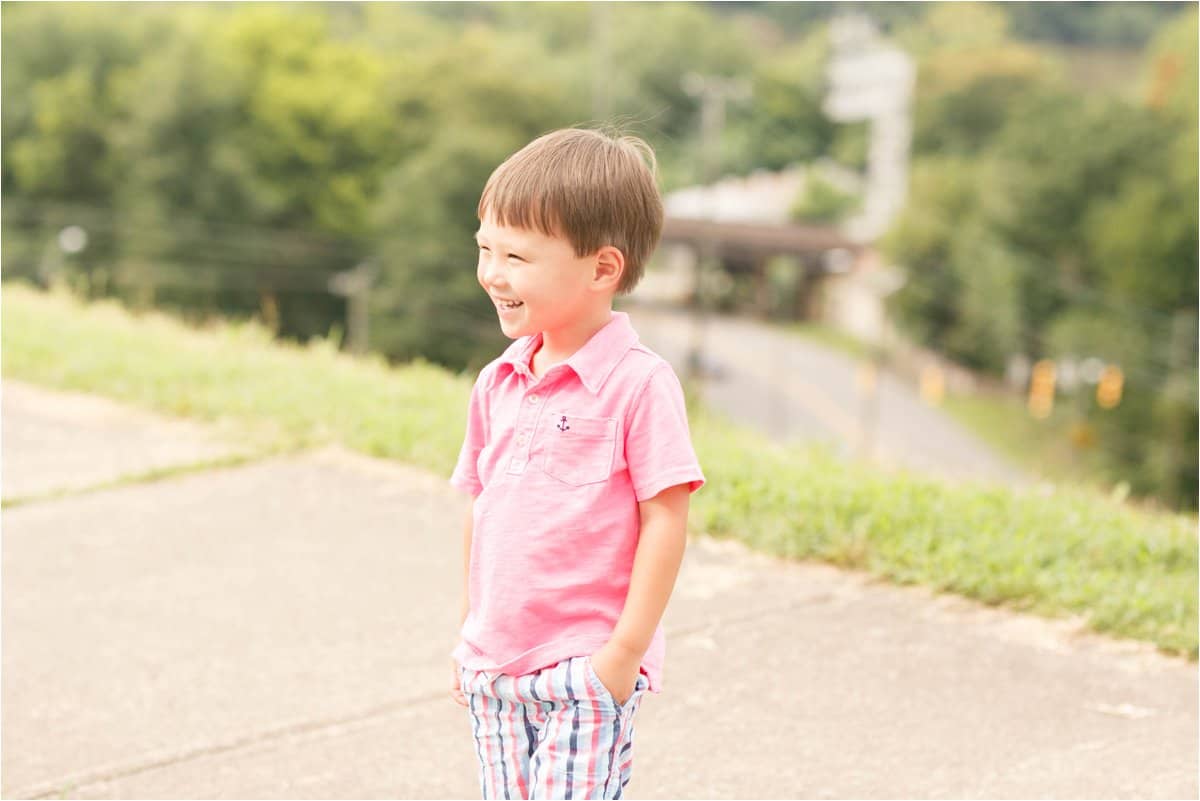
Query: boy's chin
[512, 330]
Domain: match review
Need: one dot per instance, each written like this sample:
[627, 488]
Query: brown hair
[592, 188]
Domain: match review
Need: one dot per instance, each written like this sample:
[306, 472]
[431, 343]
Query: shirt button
[521, 440]
[533, 399]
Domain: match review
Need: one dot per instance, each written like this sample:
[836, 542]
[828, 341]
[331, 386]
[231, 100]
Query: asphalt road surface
[794, 390]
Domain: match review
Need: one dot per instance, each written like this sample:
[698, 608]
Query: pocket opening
[639, 686]
[582, 449]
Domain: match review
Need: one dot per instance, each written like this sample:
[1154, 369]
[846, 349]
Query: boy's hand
[456, 685]
[617, 670]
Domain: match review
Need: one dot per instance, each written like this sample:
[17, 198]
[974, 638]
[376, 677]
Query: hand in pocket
[617, 675]
[456, 685]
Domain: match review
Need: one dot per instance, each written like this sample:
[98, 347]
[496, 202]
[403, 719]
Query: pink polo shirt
[558, 466]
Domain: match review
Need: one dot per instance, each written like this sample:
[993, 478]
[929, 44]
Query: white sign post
[870, 80]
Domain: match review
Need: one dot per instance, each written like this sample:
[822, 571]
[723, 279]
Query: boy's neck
[560, 344]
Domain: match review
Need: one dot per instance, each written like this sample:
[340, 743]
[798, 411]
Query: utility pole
[870, 374]
[355, 286]
[1180, 385]
[713, 91]
[872, 80]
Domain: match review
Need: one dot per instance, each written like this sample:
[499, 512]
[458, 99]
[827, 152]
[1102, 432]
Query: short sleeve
[465, 476]
[658, 444]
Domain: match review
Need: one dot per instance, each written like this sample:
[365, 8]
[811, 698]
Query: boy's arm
[467, 530]
[661, 543]
[664, 472]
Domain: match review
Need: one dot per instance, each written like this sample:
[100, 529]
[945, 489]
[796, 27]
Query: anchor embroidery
[562, 424]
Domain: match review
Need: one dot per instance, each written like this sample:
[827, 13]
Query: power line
[58, 212]
[145, 237]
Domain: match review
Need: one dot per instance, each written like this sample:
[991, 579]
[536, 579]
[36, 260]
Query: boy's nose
[490, 275]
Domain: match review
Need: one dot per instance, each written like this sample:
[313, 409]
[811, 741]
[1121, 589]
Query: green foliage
[1093, 23]
[239, 155]
[954, 27]
[787, 124]
[425, 217]
[1054, 224]
[654, 64]
[231, 157]
[941, 201]
[58, 61]
[821, 201]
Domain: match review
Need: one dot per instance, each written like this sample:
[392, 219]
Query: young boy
[578, 458]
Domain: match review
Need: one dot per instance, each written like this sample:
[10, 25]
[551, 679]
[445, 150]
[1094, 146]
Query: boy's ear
[610, 266]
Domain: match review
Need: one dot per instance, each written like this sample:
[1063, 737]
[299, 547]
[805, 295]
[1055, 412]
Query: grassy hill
[1053, 551]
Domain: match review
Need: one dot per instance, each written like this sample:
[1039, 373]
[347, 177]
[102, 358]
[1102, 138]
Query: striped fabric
[554, 733]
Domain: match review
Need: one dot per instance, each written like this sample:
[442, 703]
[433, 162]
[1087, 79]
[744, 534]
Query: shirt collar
[593, 362]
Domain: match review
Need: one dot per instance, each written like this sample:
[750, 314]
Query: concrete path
[281, 629]
[59, 441]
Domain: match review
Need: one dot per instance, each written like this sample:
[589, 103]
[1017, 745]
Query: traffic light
[1108, 390]
[1041, 389]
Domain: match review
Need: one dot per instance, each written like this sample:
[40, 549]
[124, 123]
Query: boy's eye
[485, 249]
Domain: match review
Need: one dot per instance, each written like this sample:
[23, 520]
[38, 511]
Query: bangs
[519, 198]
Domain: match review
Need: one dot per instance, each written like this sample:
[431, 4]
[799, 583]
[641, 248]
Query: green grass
[1043, 448]
[1127, 572]
[234, 373]
[147, 476]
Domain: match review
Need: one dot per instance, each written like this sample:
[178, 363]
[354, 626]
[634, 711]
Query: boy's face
[553, 285]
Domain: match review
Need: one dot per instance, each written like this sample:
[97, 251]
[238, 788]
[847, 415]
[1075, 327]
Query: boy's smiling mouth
[502, 303]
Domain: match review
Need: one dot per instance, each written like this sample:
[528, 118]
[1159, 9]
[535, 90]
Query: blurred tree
[942, 198]
[652, 47]
[57, 83]
[487, 105]
[58, 61]
[1143, 242]
[1057, 174]
[969, 76]
[1067, 227]
[232, 147]
[785, 123]
[822, 201]
[657, 46]
[259, 120]
[954, 27]
[797, 19]
[1119, 23]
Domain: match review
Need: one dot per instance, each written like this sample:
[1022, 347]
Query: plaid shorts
[554, 733]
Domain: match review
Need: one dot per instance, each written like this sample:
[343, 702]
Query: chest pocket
[581, 449]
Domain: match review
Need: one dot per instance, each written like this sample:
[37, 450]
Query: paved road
[795, 390]
[280, 629]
